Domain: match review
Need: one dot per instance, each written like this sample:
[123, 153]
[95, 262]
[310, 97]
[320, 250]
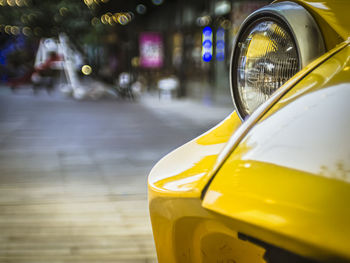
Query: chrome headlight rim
[296, 21]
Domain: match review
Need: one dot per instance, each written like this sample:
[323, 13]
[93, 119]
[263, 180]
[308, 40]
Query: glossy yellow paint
[184, 172]
[260, 112]
[185, 232]
[263, 187]
[175, 186]
[332, 16]
[287, 182]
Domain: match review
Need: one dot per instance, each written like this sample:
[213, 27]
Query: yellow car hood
[332, 16]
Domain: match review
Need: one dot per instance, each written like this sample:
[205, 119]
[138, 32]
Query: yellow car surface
[271, 182]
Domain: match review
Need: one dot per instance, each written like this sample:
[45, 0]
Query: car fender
[287, 178]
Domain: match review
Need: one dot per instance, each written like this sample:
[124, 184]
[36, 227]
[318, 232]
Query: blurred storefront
[181, 24]
[149, 40]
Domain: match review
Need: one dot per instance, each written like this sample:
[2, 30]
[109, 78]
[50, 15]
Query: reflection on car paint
[287, 174]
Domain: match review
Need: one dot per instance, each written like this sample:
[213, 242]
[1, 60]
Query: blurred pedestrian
[46, 72]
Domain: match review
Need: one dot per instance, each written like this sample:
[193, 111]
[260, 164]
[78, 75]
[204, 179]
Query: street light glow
[86, 70]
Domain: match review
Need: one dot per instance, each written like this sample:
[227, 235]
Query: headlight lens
[266, 58]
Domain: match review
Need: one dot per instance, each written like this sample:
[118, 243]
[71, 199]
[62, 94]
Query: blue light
[220, 33]
[220, 44]
[207, 57]
[207, 44]
[220, 56]
[157, 2]
[207, 31]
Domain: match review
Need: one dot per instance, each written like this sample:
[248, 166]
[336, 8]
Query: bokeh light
[86, 70]
[27, 31]
[15, 30]
[141, 9]
[104, 19]
[203, 20]
[11, 2]
[135, 62]
[123, 19]
[95, 21]
[63, 11]
[8, 29]
[19, 2]
[157, 2]
[117, 18]
[88, 2]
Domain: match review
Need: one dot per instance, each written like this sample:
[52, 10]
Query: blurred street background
[92, 94]
[73, 174]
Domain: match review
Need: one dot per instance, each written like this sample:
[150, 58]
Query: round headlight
[272, 45]
[267, 58]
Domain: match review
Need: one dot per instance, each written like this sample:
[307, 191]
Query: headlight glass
[267, 57]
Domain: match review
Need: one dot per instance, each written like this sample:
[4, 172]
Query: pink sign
[151, 50]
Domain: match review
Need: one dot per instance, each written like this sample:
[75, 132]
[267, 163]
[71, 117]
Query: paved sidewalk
[73, 174]
[195, 111]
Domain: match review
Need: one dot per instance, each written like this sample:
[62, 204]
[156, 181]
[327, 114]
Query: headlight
[273, 44]
[267, 58]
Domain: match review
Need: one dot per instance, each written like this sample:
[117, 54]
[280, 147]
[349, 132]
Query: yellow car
[270, 183]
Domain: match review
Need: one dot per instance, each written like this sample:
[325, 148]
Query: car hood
[330, 14]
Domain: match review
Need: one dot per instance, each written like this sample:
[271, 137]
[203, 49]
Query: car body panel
[185, 170]
[331, 16]
[287, 211]
[175, 185]
[290, 175]
[259, 113]
[185, 232]
[181, 224]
